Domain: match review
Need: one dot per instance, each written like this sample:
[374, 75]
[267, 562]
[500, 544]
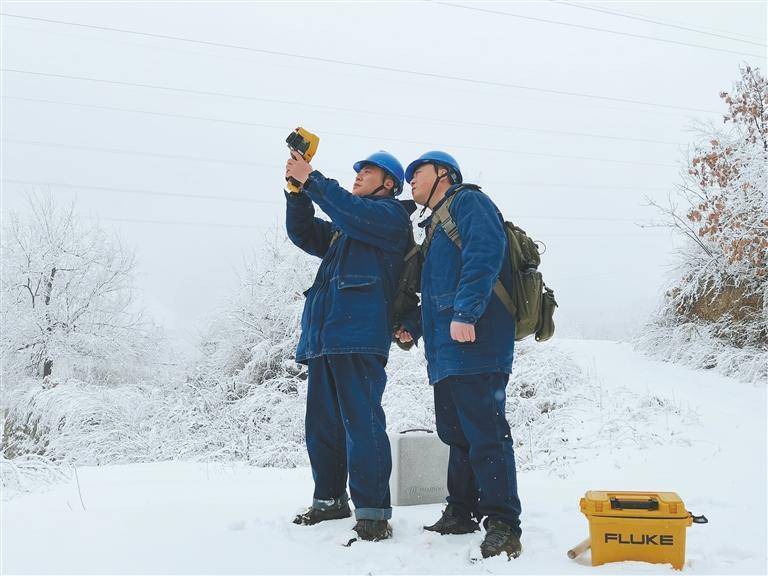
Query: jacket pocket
[444, 301]
[355, 281]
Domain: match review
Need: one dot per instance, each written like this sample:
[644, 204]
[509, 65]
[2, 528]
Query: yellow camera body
[305, 143]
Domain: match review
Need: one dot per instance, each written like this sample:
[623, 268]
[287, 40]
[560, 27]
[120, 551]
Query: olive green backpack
[531, 303]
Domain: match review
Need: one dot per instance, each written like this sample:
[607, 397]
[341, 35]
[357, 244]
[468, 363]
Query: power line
[702, 29]
[253, 227]
[523, 217]
[559, 280]
[656, 21]
[568, 185]
[596, 29]
[359, 64]
[404, 116]
[248, 163]
[181, 223]
[54, 184]
[166, 88]
[601, 236]
[138, 153]
[533, 97]
[565, 185]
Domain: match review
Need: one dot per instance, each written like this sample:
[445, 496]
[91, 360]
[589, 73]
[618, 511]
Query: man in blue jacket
[346, 333]
[469, 339]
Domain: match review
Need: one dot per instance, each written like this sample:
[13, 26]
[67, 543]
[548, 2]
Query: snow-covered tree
[68, 305]
[721, 209]
[247, 375]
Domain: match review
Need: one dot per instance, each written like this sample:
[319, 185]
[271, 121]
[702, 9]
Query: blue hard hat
[436, 157]
[386, 162]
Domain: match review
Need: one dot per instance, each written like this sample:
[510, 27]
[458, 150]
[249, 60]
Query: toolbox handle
[698, 519]
[617, 504]
[416, 430]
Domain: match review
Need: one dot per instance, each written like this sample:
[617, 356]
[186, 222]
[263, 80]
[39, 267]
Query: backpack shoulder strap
[414, 247]
[449, 226]
[506, 299]
[442, 217]
[445, 220]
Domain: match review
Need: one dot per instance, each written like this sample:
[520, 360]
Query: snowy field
[181, 517]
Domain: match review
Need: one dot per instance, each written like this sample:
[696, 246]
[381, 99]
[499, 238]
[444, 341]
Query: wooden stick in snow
[579, 549]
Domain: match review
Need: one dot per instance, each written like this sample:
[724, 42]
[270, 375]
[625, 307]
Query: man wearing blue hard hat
[469, 341]
[346, 333]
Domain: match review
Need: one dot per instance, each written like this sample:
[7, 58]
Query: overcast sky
[568, 115]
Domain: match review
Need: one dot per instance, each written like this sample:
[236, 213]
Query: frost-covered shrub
[247, 368]
[543, 391]
[239, 401]
[244, 398]
[83, 423]
[721, 212]
[29, 473]
[698, 345]
[248, 374]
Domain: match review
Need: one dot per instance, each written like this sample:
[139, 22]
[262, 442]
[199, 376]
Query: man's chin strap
[431, 192]
[376, 191]
[380, 188]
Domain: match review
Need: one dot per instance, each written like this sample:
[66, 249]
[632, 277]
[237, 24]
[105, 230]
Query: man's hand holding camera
[297, 168]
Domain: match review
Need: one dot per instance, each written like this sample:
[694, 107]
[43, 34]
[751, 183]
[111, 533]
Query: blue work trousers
[346, 433]
[470, 418]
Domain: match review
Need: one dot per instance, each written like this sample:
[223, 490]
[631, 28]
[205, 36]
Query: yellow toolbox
[644, 526]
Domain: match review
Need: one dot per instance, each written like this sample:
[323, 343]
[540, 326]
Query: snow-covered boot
[373, 530]
[500, 538]
[315, 515]
[451, 522]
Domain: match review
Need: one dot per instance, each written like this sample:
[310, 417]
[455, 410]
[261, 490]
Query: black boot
[451, 522]
[315, 515]
[500, 538]
[373, 530]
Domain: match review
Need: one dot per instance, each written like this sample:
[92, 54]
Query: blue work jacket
[457, 284]
[348, 308]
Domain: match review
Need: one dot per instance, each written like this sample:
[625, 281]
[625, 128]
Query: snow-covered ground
[179, 517]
